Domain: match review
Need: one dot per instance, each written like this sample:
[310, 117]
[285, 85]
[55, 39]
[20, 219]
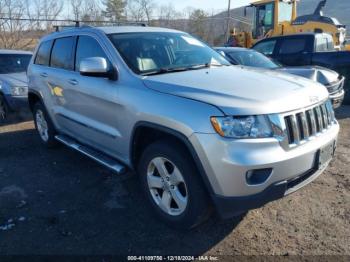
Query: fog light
[258, 176]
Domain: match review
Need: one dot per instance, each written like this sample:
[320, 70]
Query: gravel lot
[60, 202]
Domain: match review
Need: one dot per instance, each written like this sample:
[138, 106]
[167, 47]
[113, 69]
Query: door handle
[43, 75]
[73, 82]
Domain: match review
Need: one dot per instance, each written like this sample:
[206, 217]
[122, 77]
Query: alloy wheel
[42, 125]
[167, 186]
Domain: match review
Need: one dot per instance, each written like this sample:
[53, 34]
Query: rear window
[62, 53]
[292, 46]
[43, 54]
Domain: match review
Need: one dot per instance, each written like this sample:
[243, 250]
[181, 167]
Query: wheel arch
[34, 97]
[145, 133]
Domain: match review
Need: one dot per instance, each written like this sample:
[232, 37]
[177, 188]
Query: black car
[329, 78]
[306, 49]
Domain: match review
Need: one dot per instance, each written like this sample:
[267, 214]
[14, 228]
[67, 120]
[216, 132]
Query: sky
[204, 4]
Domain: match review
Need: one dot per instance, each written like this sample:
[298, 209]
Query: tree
[140, 10]
[76, 8]
[197, 23]
[115, 9]
[45, 9]
[85, 10]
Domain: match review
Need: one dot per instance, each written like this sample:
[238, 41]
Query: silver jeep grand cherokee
[198, 132]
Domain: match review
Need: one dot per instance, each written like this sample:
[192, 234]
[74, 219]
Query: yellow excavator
[279, 17]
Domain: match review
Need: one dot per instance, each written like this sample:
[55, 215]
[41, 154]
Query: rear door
[294, 51]
[59, 75]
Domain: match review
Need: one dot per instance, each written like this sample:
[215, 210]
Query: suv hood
[241, 91]
[15, 79]
[316, 73]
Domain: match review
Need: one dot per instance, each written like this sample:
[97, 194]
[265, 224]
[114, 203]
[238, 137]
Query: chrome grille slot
[318, 119]
[301, 126]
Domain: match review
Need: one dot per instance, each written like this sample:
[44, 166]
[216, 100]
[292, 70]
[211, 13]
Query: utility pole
[228, 20]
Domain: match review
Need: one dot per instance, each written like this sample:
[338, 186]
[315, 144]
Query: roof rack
[78, 24]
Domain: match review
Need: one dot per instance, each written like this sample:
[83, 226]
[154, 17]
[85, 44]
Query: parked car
[251, 58]
[13, 81]
[198, 131]
[308, 49]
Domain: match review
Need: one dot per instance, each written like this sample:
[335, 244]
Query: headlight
[19, 91]
[242, 126]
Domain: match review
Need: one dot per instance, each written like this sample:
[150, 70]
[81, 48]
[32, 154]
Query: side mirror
[97, 67]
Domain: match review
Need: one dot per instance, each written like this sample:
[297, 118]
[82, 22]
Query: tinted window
[61, 56]
[266, 47]
[43, 54]
[13, 63]
[292, 46]
[88, 47]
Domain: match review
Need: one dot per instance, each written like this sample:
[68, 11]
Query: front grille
[302, 126]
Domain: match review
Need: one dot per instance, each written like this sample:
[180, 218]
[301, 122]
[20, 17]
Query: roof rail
[84, 24]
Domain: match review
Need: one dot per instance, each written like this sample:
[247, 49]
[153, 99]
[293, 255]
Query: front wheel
[44, 126]
[173, 186]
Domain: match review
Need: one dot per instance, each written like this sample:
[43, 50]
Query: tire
[194, 207]
[44, 126]
[4, 109]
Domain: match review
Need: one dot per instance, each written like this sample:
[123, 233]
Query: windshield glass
[12, 63]
[151, 52]
[252, 58]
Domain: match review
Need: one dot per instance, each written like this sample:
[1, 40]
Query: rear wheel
[44, 126]
[172, 185]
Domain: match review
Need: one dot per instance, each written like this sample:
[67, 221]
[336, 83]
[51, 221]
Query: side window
[292, 46]
[62, 53]
[88, 47]
[266, 47]
[324, 43]
[321, 44]
[43, 54]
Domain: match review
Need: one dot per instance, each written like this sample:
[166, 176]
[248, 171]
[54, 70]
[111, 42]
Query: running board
[93, 154]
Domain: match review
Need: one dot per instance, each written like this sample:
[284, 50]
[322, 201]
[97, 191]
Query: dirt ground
[59, 202]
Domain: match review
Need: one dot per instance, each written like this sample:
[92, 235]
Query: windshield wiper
[179, 69]
[164, 71]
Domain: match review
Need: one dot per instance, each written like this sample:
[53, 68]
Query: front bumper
[17, 103]
[232, 206]
[228, 161]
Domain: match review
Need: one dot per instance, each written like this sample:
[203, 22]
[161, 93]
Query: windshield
[147, 53]
[252, 58]
[12, 63]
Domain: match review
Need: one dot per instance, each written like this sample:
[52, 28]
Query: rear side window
[324, 44]
[62, 53]
[43, 54]
[266, 47]
[292, 46]
[88, 47]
